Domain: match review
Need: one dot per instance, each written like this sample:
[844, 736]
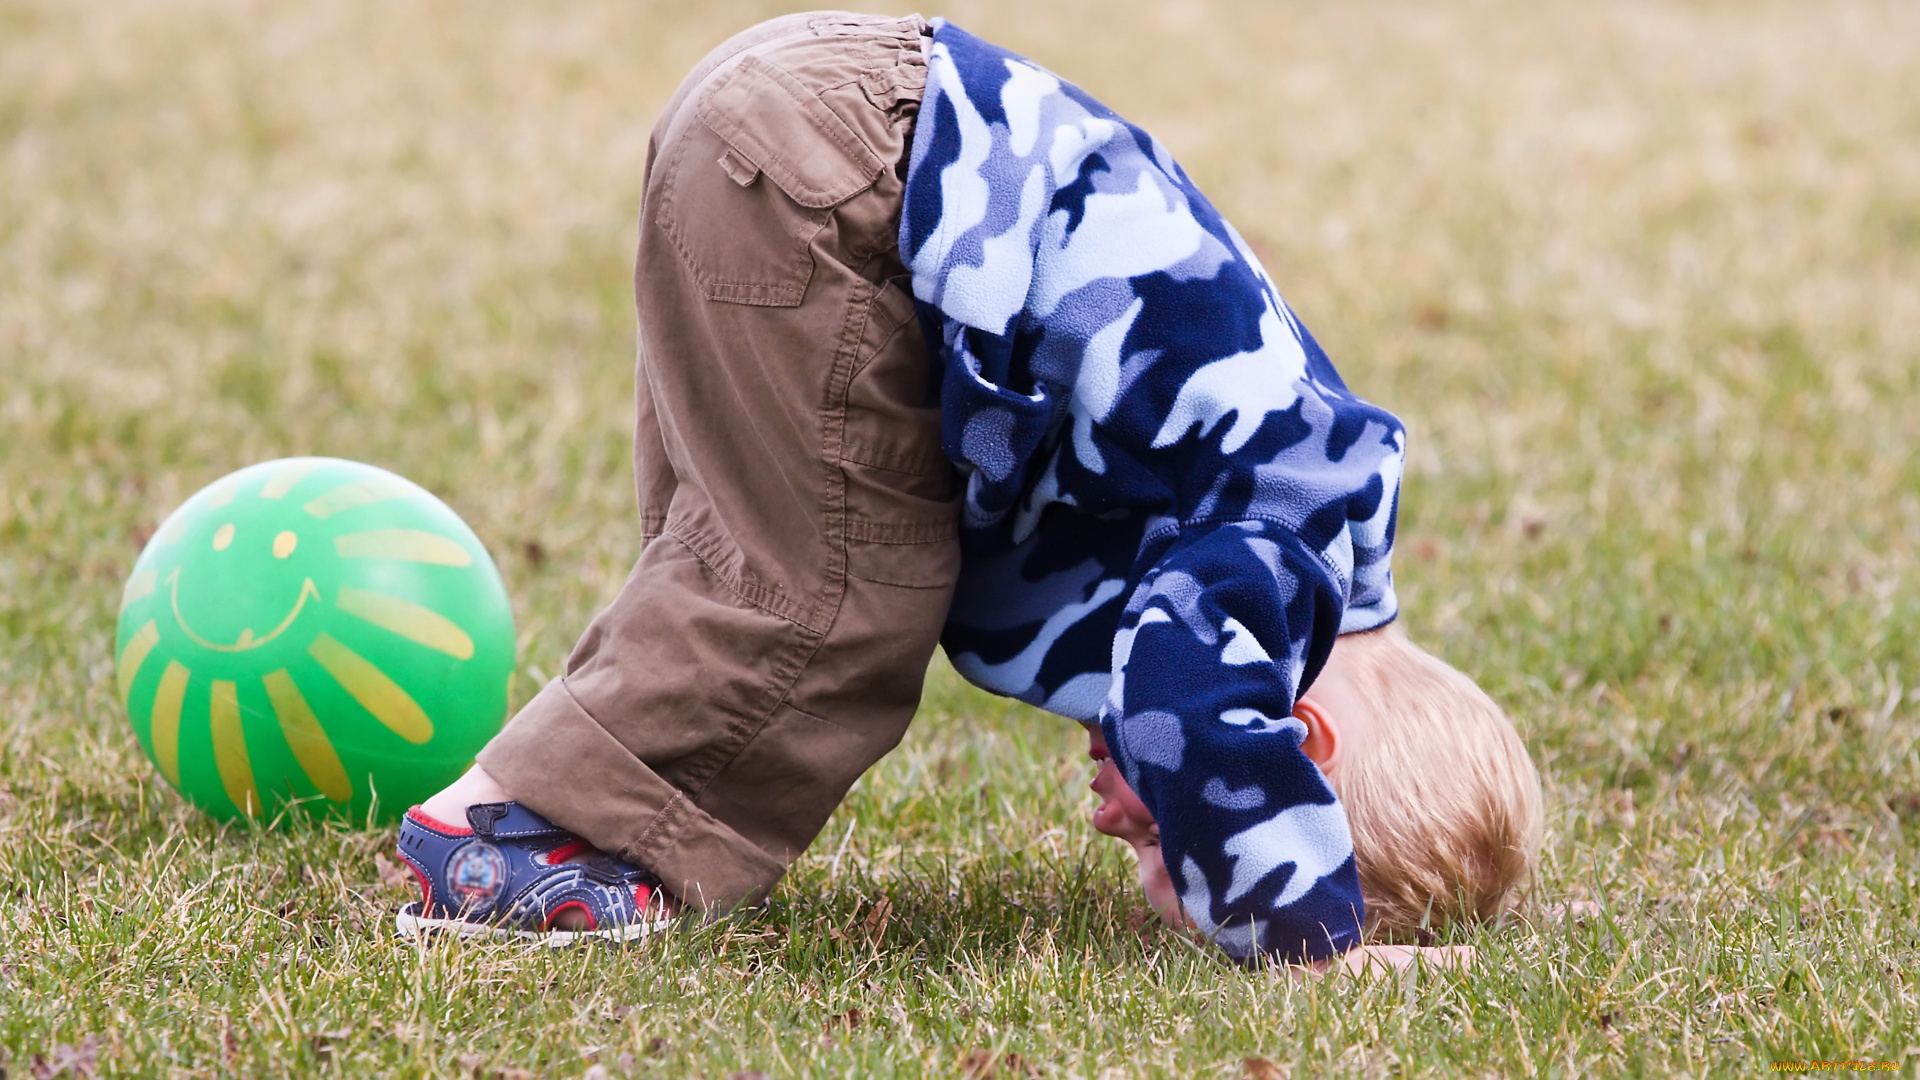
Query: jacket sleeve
[1280, 480]
[1207, 665]
[1112, 347]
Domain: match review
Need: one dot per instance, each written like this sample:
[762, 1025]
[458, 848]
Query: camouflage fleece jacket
[1173, 503]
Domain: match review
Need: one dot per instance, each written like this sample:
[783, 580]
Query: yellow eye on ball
[353, 666]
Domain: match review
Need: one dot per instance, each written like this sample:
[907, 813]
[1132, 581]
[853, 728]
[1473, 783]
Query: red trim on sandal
[420, 875]
[436, 825]
[567, 851]
[426, 890]
[547, 923]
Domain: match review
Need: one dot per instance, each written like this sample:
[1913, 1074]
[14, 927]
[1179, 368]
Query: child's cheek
[1120, 813]
[1131, 805]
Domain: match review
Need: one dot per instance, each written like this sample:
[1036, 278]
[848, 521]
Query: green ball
[314, 635]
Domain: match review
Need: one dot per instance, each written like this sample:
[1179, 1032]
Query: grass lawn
[1642, 278]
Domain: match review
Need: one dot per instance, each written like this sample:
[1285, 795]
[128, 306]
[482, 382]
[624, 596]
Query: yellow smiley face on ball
[316, 634]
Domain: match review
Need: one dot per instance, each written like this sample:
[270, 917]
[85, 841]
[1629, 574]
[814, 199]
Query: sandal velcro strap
[508, 874]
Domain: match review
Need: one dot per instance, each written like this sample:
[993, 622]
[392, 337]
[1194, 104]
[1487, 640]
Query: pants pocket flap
[820, 163]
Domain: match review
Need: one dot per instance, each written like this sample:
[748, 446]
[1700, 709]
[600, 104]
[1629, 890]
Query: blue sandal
[507, 876]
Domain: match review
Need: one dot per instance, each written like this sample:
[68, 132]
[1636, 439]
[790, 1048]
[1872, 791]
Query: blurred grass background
[1643, 279]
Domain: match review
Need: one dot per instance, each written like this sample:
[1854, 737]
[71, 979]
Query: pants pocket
[902, 529]
[746, 189]
[929, 564]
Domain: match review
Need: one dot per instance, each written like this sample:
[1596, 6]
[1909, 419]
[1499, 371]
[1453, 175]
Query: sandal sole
[409, 923]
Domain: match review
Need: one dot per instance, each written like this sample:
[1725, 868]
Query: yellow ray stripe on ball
[422, 626]
[371, 687]
[310, 745]
[139, 587]
[165, 729]
[135, 654]
[373, 489]
[230, 748]
[285, 477]
[408, 545]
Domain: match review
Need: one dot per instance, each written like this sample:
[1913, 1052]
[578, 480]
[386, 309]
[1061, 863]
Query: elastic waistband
[849, 23]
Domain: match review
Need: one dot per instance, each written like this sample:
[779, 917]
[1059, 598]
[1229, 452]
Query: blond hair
[1444, 803]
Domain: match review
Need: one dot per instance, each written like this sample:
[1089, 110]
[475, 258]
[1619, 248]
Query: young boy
[935, 347]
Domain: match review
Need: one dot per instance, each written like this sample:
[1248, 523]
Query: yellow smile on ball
[246, 640]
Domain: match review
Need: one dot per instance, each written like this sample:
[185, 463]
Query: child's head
[1442, 800]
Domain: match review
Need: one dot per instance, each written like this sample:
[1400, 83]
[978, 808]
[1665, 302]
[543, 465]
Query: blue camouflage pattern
[1173, 502]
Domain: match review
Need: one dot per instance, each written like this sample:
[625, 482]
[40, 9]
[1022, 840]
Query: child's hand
[1392, 959]
[1158, 886]
[1365, 960]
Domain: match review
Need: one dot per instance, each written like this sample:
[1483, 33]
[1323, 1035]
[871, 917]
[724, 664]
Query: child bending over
[935, 348]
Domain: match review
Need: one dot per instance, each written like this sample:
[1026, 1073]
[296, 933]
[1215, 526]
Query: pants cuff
[557, 760]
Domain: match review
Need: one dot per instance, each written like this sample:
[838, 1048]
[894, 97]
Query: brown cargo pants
[800, 517]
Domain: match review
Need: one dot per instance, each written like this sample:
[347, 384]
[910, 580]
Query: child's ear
[1322, 743]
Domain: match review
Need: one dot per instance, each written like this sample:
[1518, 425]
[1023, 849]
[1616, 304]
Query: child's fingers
[1374, 960]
